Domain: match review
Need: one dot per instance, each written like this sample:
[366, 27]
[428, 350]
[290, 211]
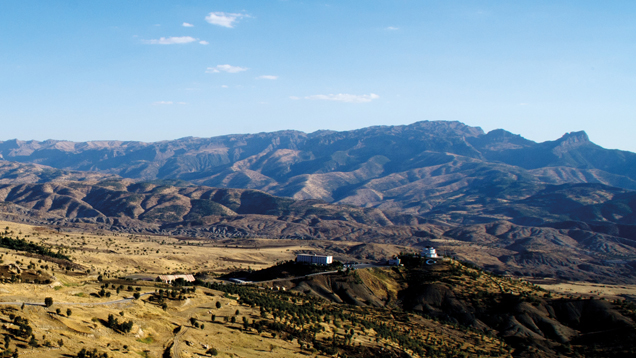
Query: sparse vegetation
[84, 353]
[294, 322]
[30, 247]
[114, 324]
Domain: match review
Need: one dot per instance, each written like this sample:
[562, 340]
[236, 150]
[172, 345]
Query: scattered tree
[33, 342]
[212, 352]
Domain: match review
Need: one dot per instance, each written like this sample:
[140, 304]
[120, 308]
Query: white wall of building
[315, 259]
[429, 252]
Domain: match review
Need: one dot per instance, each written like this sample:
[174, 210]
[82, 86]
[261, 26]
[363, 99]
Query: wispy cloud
[344, 97]
[392, 28]
[203, 42]
[267, 77]
[187, 24]
[163, 103]
[224, 19]
[295, 98]
[225, 68]
[170, 40]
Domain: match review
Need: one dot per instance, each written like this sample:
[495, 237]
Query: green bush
[212, 352]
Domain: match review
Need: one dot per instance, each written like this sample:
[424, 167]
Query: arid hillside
[562, 209]
[574, 232]
[199, 212]
[21, 173]
[107, 299]
[531, 320]
[407, 167]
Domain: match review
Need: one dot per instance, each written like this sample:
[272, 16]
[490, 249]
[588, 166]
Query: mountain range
[562, 208]
[382, 166]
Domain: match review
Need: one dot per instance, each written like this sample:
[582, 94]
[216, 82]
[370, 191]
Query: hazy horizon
[161, 70]
[230, 134]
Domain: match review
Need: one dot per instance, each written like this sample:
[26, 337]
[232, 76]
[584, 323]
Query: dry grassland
[155, 331]
[116, 255]
[592, 289]
[124, 253]
[78, 317]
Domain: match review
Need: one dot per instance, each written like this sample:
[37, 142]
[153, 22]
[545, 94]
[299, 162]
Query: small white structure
[170, 278]
[314, 259]
[429, 252]
[393, 262]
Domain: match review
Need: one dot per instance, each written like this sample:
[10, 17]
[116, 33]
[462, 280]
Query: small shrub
[212, 352]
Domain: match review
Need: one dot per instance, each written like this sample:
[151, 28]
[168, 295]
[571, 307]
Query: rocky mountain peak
[575, 137]
[570, 141]
[500, 140]
[447, 127]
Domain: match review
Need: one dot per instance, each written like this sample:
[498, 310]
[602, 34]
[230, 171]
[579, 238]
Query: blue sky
[155, 70]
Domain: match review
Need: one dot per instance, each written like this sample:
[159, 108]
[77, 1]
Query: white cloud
[392, 28]
[185, 24]
[267, 77]
[343, 97]
[223, 19]
[294, 98]
[161, 103]
[171, 40]
[225, 68]
[224, 86]
[203, 42]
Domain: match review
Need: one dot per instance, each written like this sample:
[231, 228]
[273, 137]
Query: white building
[429, 252]
[393, 262]
[314, 259]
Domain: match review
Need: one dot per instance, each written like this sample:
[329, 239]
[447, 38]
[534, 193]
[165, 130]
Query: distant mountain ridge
[407, 168]
[197, 211]
[564, 208]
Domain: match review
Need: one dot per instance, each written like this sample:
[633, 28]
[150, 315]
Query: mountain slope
[336, 166]
[571, 231]
[200, 212]
[536, 323]
[383, 166]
